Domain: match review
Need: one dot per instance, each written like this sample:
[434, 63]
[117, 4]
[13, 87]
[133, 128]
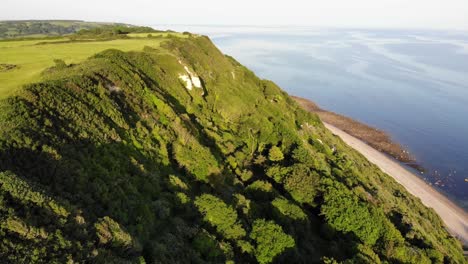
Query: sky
[420, 14]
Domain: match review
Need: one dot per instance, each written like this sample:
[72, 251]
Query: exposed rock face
[186, 79]
[190, 79]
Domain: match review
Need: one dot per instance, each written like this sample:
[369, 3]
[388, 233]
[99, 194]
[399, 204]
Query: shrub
[288, 209]
[109, 232]
[302, 184]
[219, 215]
[344, 212]
[270, 240]
[275, 154]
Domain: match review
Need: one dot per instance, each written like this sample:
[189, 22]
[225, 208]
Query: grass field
[31, 59]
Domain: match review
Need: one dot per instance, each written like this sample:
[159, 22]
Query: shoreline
[376, 138]
[454, 217]
[368, 141]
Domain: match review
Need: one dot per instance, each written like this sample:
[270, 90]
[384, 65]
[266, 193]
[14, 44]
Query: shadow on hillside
[112, 180]
[126, 182]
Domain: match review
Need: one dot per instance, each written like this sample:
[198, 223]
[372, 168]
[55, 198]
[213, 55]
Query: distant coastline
[376, 138]
[373, 144]
[454, 217]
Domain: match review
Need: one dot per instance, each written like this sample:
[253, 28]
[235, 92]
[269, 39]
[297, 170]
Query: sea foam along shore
[454, 217]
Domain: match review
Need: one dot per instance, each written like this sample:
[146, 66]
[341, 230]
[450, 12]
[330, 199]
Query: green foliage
[110, 159]
[109, 232]
[346, 213]
[112, 31]
[41, 28]
[270, 240]
[60, 64]
[207, 245]
[365, 255]
[289, 209]
[302, 183]
[20, 189]
[275, 154]
[299, 180]
[260, 190]
[31, 58]
[177, 183]
[278, 173]
[242, 204]
[196, 159]
[220, 215]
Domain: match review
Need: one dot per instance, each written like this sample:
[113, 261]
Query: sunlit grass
[31, 59]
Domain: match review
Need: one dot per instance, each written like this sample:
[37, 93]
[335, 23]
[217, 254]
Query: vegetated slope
[36, 28]
[115, 160]
[22, 62]
[376, 138]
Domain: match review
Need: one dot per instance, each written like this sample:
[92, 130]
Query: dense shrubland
[114, 160]
[111, 31]
[41, 28]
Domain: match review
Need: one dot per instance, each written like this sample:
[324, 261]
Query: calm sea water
[412, 84]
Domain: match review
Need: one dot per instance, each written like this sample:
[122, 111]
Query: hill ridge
[115, 160]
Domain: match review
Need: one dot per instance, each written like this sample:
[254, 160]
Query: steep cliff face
[116, 160]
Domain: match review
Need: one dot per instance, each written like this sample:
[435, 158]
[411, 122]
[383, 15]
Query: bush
[109, 232]
[302, 184]
[288, 209]
[270, 240]
[219, 215]
[275, 154]
[344, 212]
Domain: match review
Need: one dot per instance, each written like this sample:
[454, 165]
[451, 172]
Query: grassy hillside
[114, 160]
[32, 57]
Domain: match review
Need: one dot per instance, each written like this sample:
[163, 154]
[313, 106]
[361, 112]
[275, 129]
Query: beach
[376, 138]
[455, 218]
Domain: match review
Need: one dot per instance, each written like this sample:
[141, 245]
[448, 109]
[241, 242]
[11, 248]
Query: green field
[31, 59]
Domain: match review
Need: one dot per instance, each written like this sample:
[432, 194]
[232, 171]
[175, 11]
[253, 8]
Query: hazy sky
[440, 14]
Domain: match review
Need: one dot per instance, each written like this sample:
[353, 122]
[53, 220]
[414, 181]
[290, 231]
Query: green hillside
[23, 61]
[176, 153]
[43, 28]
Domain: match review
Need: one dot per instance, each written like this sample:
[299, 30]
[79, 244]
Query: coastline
[454, 217]
[377, 146]
[376, 138]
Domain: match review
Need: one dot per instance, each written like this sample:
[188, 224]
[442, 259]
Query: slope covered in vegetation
[115, 160]
[42, 28]
[23, 61]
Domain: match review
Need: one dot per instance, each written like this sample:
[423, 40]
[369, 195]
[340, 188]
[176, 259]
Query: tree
[109, 231]
[270, 239]
[302, 183]
[275, 154]
[344, 212]
[288, 209]
[220, 215]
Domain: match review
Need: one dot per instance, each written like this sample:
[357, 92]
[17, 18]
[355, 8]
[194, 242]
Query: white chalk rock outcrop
[186, 79]
[196, 82]
[190, 79]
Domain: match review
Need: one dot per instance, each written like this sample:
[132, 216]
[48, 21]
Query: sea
[413, 84]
